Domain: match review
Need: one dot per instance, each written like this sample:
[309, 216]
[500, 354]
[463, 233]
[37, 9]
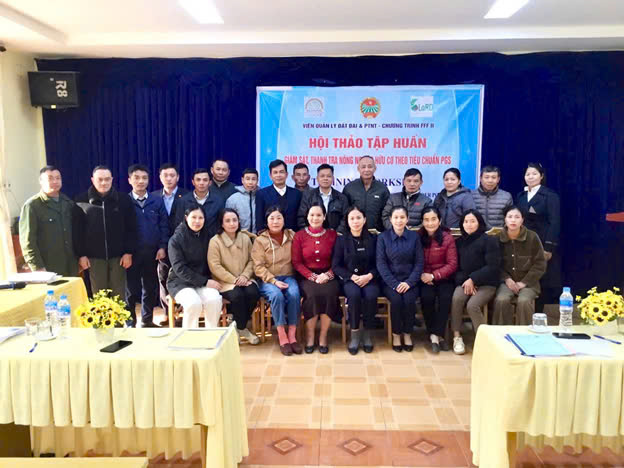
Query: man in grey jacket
[490, 200]
[244, 200]
[410, 198]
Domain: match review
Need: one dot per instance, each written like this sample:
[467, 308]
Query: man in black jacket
[220, 171]
[105, 233]
[335, 203]
[367, 193]
[410, 197]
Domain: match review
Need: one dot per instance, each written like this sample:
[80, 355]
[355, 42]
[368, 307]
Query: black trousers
[163, 273]
[142, 285]
[243, 301]
[436, 320]
[362, 303]
[403, 309]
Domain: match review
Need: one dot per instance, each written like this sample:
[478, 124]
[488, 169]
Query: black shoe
[408, 347]
[353, 351]
[323, 349]
[309, 349]
[435, 348]
[444, 346]
[397, 348]
[368, 348]
[149, 325]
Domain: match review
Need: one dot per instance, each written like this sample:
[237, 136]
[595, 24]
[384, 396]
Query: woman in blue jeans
[278, 285]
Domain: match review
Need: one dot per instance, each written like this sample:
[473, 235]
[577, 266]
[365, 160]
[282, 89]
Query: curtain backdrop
[564, 110]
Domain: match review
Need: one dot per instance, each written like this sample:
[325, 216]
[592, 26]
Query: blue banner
[431, 128]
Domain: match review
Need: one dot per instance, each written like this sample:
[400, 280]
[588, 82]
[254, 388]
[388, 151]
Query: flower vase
[606, 329]
[620, 322]
[104, 335]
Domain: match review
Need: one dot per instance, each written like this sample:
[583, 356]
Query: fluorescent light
[203, 11]
[504, 8]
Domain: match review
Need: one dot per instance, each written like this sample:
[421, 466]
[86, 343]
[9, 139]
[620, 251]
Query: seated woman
[400, 264]
[311, 256]
[189, 281]
[478, 274]
[522, 267]
[354, 263]
[454, 199]
[438, 276]
[272, 264]
[229, 260]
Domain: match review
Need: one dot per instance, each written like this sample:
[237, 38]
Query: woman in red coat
[438, 276]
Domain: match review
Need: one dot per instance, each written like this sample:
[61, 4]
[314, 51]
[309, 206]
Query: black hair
[277, 163]
[168, 165]
[301, 166]
[366, 156]
[511, 208]
[250, 170]
[397, 208]
[482, 226]
[45, 169]
[201, 170]
[454, 170]
[490, 169]
[101, 167]
[322, 207]
[137, 167]
[539, 169]
[193, 207]
[412, 171]
[273, 209]
[222, 213]
[351, 209]
[220, 160]
[325, 166]
[438, 235]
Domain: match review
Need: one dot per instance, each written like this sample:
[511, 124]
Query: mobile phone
[116, 346]
[572, 336]
[57, 282]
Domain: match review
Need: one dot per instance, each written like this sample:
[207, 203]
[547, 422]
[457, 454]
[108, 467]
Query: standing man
[153, 235]
[106, 233]
[210, 201]
[278, 194]
[367, 193]
[335, 203]
[220, 184]
[410, 198]
[301, 177]
[45, 227]
[489, 199]
[244, 200]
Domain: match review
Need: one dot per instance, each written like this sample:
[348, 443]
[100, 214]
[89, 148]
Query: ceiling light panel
[203, 11]
[504, 8]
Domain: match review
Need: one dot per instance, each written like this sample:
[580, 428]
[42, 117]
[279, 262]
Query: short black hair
[250, 170]
[137, 167]
[301, 166]
[220, 160]
[511, 208]
[537, 166]
[101, 167]
[273, 209]
[48, 168]
[397, 208]
[412, 171]
[168, 165]
[201, 170]
[325, 166]
[322, 207]
[277, 163]
[454, 170]
[194, 206]
[491, 169]
[222, 213]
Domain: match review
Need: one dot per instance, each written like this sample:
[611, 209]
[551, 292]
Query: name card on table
[196, 339]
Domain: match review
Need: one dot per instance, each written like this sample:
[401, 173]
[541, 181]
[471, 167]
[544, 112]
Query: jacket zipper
[105, 233]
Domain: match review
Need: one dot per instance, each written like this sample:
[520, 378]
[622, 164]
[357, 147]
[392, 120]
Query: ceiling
[161, 28]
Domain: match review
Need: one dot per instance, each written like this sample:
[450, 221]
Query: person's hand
[365, 279]
[161, 254]
[248, 283]
[242, 280]
[281, 285]
[126, 261]
[214, 284]
[402, 287]
[520, 285]
[547, 255]
[469, 287]
[84, 263]
[427, 278]
[322, 278]
[511, 284]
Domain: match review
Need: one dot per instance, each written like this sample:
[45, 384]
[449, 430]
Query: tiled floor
[379, 409]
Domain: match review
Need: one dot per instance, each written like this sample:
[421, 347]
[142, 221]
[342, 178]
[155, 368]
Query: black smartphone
[57, 282]
[572, 336]
[116, 346]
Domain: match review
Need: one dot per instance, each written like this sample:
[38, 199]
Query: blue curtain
[564, 110]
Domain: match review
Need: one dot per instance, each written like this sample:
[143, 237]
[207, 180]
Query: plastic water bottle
[64, 315]
[566, 307]
[50, 306]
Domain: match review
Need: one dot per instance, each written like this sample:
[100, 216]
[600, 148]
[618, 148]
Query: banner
[431, 128]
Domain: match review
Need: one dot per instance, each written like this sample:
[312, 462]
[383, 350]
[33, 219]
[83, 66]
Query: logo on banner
[313, 107]
[370, 107]
[421, 106]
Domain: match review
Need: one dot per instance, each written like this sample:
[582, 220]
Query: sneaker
[250, 337]
[458, 345]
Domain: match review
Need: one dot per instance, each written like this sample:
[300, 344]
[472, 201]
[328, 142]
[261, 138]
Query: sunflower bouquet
[599, 308]
[103, 311]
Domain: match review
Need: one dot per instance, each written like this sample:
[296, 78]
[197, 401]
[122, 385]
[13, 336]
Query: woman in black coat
[478, 274]
[353, 261]
[540, 207]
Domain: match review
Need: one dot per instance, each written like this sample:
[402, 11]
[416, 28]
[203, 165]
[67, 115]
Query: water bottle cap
[50, 291]
[566, 289]
[63, 296]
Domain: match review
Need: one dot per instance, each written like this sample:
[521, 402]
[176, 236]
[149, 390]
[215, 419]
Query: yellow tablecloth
[518, 400]
[89, 462]
[20, 304]
[144, 397]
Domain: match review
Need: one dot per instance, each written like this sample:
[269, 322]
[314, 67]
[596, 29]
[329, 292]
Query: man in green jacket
[45, 227]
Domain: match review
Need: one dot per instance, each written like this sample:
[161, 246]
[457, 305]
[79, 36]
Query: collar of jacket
[94, 195]
[46, 198]
[409, 196]
[289, 234]
[504, 236]
[332, 192]
[460, 189]
[241, 189]
[238, 240]
[487, 193]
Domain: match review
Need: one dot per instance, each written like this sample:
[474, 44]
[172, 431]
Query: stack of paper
[538, 345]
[35, 277]
[593, 347]
[6, 333]
[193, 339]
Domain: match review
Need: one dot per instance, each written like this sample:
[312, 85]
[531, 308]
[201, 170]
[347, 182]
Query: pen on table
[34, 346]
[607, 339]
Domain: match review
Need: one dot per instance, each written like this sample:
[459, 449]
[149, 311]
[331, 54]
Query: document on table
[6, 333]
[593, 347]
[193, 339]
[538, 345]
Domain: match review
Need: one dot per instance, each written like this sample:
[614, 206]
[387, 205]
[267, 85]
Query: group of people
[302, 248]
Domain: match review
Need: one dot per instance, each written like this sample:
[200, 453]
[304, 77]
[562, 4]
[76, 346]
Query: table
[518, 400]
[20, 304]
[87, 462]
[143, 398]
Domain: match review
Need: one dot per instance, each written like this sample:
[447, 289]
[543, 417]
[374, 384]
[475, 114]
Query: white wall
[23, 130]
